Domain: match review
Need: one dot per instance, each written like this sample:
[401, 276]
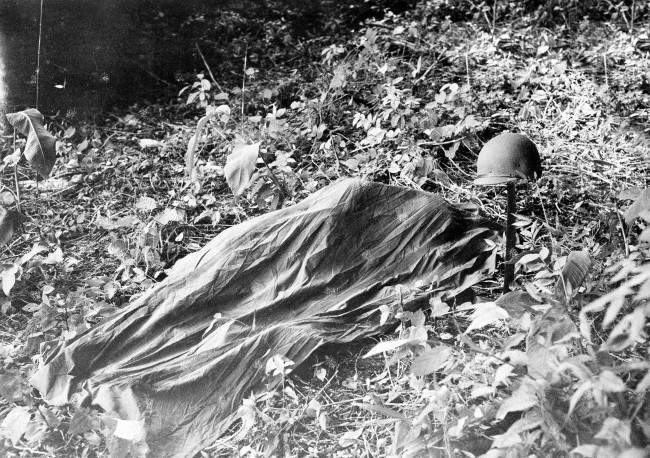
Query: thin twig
[38, 55]
[447, 142]
[469, 82]
[17, 195]
[541, 201]
[620, 222]
[243, 84]
[207, 67]
[16, 175]
[283, 191]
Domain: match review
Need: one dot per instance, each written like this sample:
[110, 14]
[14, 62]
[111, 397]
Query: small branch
[38, 55]
[620, 223]
[158, 78]
[283, 191]
[17, 195]
[469, 82]
[488, 22]
[16, 176]
[447, 142]
[541, 201]
[243, 84]
[207, 67]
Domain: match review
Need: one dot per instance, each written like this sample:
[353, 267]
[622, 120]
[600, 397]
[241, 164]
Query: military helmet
[508, 157]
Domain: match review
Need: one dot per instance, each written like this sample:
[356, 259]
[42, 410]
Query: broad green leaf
[516, 303]
[612, 311]
[586, 450]
[130, 430]
[322, 421]
[192, 145]
[644, 384]
[438, 308]
[36, 250]
[632, 193]
[12, 386]
[40, 150]
[381, 410]
[15, 423]
[576, 367]
[610, 382]
[481, 390]
[528, 259]
[240, 165]
[313, 408]
[339, 78]
[146, 204]
[506, 440]
[457, 430]
[49, 416]
[350, 437]
[418, 318]
[119, 447]
[486, 314]
[221, 113]
[577, 395]
[541, 360]
[533, 419]
[118, 249]
[8, 277]
[628, 331]
[171, 214]
[523, 398]
[278, 365]
[10, 220]
[502, 374]
[208, 216]
[7, 198]
[431, 360]
[115, 223]
[641, 204]
[55, 257]
[633, 452]
[615, 431]
[387, 346]
[573, 274]
[516, 357]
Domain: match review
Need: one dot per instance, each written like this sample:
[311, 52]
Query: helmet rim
[494, 180]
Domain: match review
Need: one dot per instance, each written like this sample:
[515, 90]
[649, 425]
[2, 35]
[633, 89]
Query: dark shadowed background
[96, 53]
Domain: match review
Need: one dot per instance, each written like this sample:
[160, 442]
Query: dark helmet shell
[508, 157]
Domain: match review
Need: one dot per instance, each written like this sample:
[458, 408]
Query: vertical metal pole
[509, 273]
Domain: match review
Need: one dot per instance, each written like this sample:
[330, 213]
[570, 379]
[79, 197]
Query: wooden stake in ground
[509, 271]
[505, 160]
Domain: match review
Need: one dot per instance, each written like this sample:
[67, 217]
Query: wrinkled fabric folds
[187, 352]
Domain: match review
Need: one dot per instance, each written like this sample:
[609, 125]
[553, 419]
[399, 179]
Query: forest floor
[407, 100]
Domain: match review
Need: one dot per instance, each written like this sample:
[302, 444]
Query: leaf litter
[587, 117]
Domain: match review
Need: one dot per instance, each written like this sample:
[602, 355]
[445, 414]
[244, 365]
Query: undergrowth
[559, 367]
